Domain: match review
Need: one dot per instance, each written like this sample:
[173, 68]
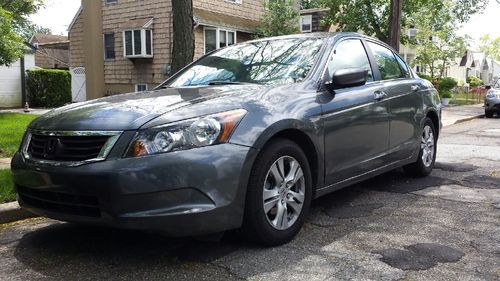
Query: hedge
[48, 87]
[447, 83]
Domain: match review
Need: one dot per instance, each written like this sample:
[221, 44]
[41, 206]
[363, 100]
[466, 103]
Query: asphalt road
[444, 227]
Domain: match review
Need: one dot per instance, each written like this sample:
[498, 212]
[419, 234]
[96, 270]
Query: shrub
[424, 76]
[445, 94]
[48, 87]
[446, 84]
[473, 81]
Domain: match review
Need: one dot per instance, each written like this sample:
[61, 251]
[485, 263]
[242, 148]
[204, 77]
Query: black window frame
[367, 52]
[372, 53]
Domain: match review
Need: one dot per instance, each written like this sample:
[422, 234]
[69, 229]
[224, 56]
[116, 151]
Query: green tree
[372, 16]
[473, 81]
[437, 45]
[31, 29]
[490, 46]
[13, 20]
[279, 18]
[310, 4]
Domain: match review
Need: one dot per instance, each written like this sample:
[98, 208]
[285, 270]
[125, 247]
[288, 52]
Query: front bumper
[191, 192]
[492, 104]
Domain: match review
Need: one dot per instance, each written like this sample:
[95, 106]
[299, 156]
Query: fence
[466, 95]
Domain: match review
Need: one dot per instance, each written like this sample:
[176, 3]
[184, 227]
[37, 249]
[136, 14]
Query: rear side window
[350, 54]
[386, 61]
[404, 67]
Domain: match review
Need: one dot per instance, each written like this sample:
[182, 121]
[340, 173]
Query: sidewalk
[36, 111]
[459, 113]
[4, 163]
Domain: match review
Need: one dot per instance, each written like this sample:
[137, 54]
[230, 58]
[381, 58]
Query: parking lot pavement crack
[421, 256]
[481, 181]
[459, 193]
[455, 167]
[227, 270]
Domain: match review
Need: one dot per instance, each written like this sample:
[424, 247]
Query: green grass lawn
[7, 193]
[12, 127]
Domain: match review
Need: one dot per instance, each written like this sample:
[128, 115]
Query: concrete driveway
[444, 227]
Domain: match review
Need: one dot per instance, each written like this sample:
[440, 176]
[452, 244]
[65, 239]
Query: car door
[403, 101]
[355, 119]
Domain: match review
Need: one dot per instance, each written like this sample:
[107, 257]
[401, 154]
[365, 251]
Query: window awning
[209, 18]
[138, 23]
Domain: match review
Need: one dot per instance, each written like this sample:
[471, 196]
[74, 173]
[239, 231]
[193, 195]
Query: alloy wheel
[427, 146]
[284, 192]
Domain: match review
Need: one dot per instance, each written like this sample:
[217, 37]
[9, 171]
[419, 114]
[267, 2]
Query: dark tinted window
[386, 61]
[404, 67]
[350, 54]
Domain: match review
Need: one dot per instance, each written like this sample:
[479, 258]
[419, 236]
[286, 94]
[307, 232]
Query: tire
[425, 162]
[488, 114]
[266, 228]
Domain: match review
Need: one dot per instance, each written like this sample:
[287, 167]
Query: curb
[465, 119]
[11, 212]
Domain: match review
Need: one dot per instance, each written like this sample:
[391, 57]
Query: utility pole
[395, 24]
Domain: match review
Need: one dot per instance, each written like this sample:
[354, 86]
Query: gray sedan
[492, 100]
[245, 138]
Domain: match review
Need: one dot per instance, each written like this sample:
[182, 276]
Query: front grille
[66, 148]
[80, 205]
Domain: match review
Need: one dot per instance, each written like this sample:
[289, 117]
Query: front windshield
[278, 61]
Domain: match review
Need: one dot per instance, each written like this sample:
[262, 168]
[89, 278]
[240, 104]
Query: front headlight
[493, 95]
[187, 134]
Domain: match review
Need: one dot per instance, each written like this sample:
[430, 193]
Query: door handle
[415, 88]
[379, 95]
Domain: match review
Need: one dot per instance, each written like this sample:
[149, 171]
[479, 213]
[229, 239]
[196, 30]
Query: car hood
[130, 111]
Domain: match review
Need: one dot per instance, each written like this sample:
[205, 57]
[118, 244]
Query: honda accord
[243, 138]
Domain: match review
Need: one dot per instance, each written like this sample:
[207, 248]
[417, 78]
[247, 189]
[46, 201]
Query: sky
[486, 23]
[57, 15]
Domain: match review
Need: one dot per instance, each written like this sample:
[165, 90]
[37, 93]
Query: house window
[141, 87]
[306, 23]
[138, 43]
[216, 38]
[109, 46]
[234, 1]
[111, 2]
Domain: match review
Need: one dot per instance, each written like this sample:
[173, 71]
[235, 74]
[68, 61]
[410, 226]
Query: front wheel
[488, 113]
[427, 155]
[279, 194]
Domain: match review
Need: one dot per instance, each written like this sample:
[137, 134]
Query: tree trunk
[183, 35]
[432, 70]
[395, 24]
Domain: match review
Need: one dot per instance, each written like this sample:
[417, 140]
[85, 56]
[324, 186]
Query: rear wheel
[427, 155]
[488, 113]
[278, 195]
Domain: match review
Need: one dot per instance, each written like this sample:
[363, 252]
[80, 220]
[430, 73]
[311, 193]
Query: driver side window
[349, 54]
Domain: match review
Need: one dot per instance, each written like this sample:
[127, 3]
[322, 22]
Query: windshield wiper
[212, 83]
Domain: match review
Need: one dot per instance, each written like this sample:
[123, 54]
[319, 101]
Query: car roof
[319, 35]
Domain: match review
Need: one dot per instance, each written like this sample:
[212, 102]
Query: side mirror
[487, 87]
[345, 78]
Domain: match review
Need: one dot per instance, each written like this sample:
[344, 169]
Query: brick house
[51, 51]
[125, 45]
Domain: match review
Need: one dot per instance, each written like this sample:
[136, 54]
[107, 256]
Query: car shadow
[62, 251]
